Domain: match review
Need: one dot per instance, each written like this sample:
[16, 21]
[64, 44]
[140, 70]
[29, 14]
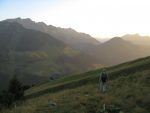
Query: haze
[99, 18]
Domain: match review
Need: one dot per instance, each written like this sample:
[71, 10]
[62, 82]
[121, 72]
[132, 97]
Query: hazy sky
[99, 18]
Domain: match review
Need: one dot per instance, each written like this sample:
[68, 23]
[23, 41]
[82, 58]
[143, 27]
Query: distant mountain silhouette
[137, 39]
[117, 50]
[69, 36]
[113, 51]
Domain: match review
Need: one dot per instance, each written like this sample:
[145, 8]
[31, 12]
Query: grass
[63, 81]
[119, 70]
[128, 89]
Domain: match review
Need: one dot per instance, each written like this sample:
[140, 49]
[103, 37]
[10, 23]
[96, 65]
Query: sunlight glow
[99, 18]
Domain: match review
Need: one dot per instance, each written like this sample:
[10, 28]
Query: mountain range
[68, 36]
[118, 50]
[34, 55]
[36, 51]
[87, 44]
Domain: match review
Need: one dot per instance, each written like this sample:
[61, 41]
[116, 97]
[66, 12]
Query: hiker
[103, 80]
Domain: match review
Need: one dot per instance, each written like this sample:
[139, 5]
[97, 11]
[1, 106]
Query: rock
[51, 103]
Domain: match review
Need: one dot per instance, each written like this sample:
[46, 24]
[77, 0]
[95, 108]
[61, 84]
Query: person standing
[103, 80]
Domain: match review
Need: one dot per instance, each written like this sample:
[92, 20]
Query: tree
[15, 88]
[6, 99]
[15, 92]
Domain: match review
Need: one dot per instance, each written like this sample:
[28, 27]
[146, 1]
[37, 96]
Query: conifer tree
[15, 88]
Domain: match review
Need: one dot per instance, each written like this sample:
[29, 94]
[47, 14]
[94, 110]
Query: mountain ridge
[137, 39]
[118, 50]
[85, 43]
[73, 38]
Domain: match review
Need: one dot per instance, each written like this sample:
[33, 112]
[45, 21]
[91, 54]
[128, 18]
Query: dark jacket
[103, 77]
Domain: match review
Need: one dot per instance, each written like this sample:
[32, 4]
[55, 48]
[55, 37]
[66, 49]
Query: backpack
[104, 77]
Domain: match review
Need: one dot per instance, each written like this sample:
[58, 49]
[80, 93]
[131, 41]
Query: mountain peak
[116, 39]
[20, 20]
[133, 36]
[42, 23]
[23, 19]
[28, 19]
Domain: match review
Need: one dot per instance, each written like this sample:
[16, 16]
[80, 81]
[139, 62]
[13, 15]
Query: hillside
[128, 89]
[35, 56]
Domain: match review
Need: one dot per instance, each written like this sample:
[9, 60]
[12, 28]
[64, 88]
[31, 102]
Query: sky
[99, 18]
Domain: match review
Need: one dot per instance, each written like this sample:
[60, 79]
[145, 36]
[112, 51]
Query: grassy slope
[128, 88]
